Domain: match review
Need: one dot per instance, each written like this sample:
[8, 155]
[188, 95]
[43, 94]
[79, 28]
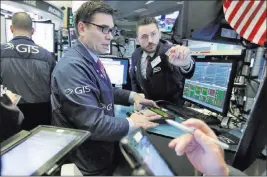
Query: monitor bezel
[82, 135]
[214, 59]
[118, 58]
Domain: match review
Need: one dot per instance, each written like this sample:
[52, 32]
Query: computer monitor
[167, 21]
[254, 138]
[39, 151]
[211, 85]
[205, 48]
[73, 35]
[261, 69]
[128, 48]
[3, 32]
[117, 69]
[43, 34]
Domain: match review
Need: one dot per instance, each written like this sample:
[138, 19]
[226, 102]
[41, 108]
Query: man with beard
[158, 69]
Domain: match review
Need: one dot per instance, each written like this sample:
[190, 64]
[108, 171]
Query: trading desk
[162, 129]
[162, 135]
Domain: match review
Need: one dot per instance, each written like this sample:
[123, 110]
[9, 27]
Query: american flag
[247, 18]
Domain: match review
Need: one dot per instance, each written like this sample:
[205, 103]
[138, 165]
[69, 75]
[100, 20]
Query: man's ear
[11, 29]
[81, 28]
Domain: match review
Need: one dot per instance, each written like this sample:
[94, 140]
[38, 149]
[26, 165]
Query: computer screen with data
[43, 34]
[210, 85]
[117, 69]
[40, 151]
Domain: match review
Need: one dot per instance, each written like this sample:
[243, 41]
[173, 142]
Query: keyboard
[187, 113]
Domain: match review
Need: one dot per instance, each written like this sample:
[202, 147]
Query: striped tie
[101, 66]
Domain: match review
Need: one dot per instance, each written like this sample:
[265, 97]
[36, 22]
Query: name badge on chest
[155, 62]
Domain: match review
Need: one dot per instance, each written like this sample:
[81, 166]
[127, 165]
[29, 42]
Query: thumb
[203, 140]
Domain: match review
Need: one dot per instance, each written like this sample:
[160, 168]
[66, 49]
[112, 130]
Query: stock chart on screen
[208, 87]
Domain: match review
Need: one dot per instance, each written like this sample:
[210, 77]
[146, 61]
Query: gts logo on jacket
[22, 48]
[108, 107]
[78, 90]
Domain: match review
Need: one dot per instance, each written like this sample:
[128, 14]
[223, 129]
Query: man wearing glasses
[83, 97]
[158, 69]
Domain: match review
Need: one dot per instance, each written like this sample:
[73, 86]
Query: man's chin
[150, 50]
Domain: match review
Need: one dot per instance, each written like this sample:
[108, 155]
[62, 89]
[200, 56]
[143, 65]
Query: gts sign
[78, 90]
[24, 48]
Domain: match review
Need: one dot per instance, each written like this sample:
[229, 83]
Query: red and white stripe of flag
[247, 18]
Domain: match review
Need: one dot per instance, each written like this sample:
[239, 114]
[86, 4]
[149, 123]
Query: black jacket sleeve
[121, 96]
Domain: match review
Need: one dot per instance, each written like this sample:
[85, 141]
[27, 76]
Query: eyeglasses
[104, 29]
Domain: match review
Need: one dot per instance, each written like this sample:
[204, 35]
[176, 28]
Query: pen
[191, 130]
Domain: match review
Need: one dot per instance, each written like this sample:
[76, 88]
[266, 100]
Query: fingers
[182, 143]
[147, 112]
[155, 105]
[173, 143]
[149, 125]
[205, 142]
[153, 117]
[199, 124]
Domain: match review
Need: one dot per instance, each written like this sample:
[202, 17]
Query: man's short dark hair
[88, 9]
[146, 21]
[22, 21]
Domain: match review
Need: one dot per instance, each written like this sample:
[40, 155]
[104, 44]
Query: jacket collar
[80, 48]
[22, 37]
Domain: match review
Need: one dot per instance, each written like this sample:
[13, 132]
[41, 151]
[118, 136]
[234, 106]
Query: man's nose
[150, 39]
[109, 36]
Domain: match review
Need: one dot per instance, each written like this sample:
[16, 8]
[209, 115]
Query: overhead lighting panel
[140, 10]
[148, 2]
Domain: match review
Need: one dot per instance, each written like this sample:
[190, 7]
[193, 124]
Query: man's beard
[151, 51]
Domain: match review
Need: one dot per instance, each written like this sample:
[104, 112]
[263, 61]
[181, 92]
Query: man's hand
[138, 99]
[204, 155]
[13, 97]
[142, 119]
[179, 56]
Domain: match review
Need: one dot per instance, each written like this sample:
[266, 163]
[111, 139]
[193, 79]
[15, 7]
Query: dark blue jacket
[166, 84]
[83, 99]
[26, 69]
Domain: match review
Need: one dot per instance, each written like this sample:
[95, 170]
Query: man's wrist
[131, 97]
[131, 126]
[186, 69]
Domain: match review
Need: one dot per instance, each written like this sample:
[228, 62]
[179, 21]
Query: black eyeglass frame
[104, 29]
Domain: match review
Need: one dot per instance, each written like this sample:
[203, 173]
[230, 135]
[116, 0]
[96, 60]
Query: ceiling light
[148, 2]
[140, 10]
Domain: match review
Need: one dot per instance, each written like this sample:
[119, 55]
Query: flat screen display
[167, 21]
[26, 158]
[209, 85]
[117, 69]
[149, 154]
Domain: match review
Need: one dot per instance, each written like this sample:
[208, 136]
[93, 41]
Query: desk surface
[162, 129]
[162, 135]
[165, 129]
